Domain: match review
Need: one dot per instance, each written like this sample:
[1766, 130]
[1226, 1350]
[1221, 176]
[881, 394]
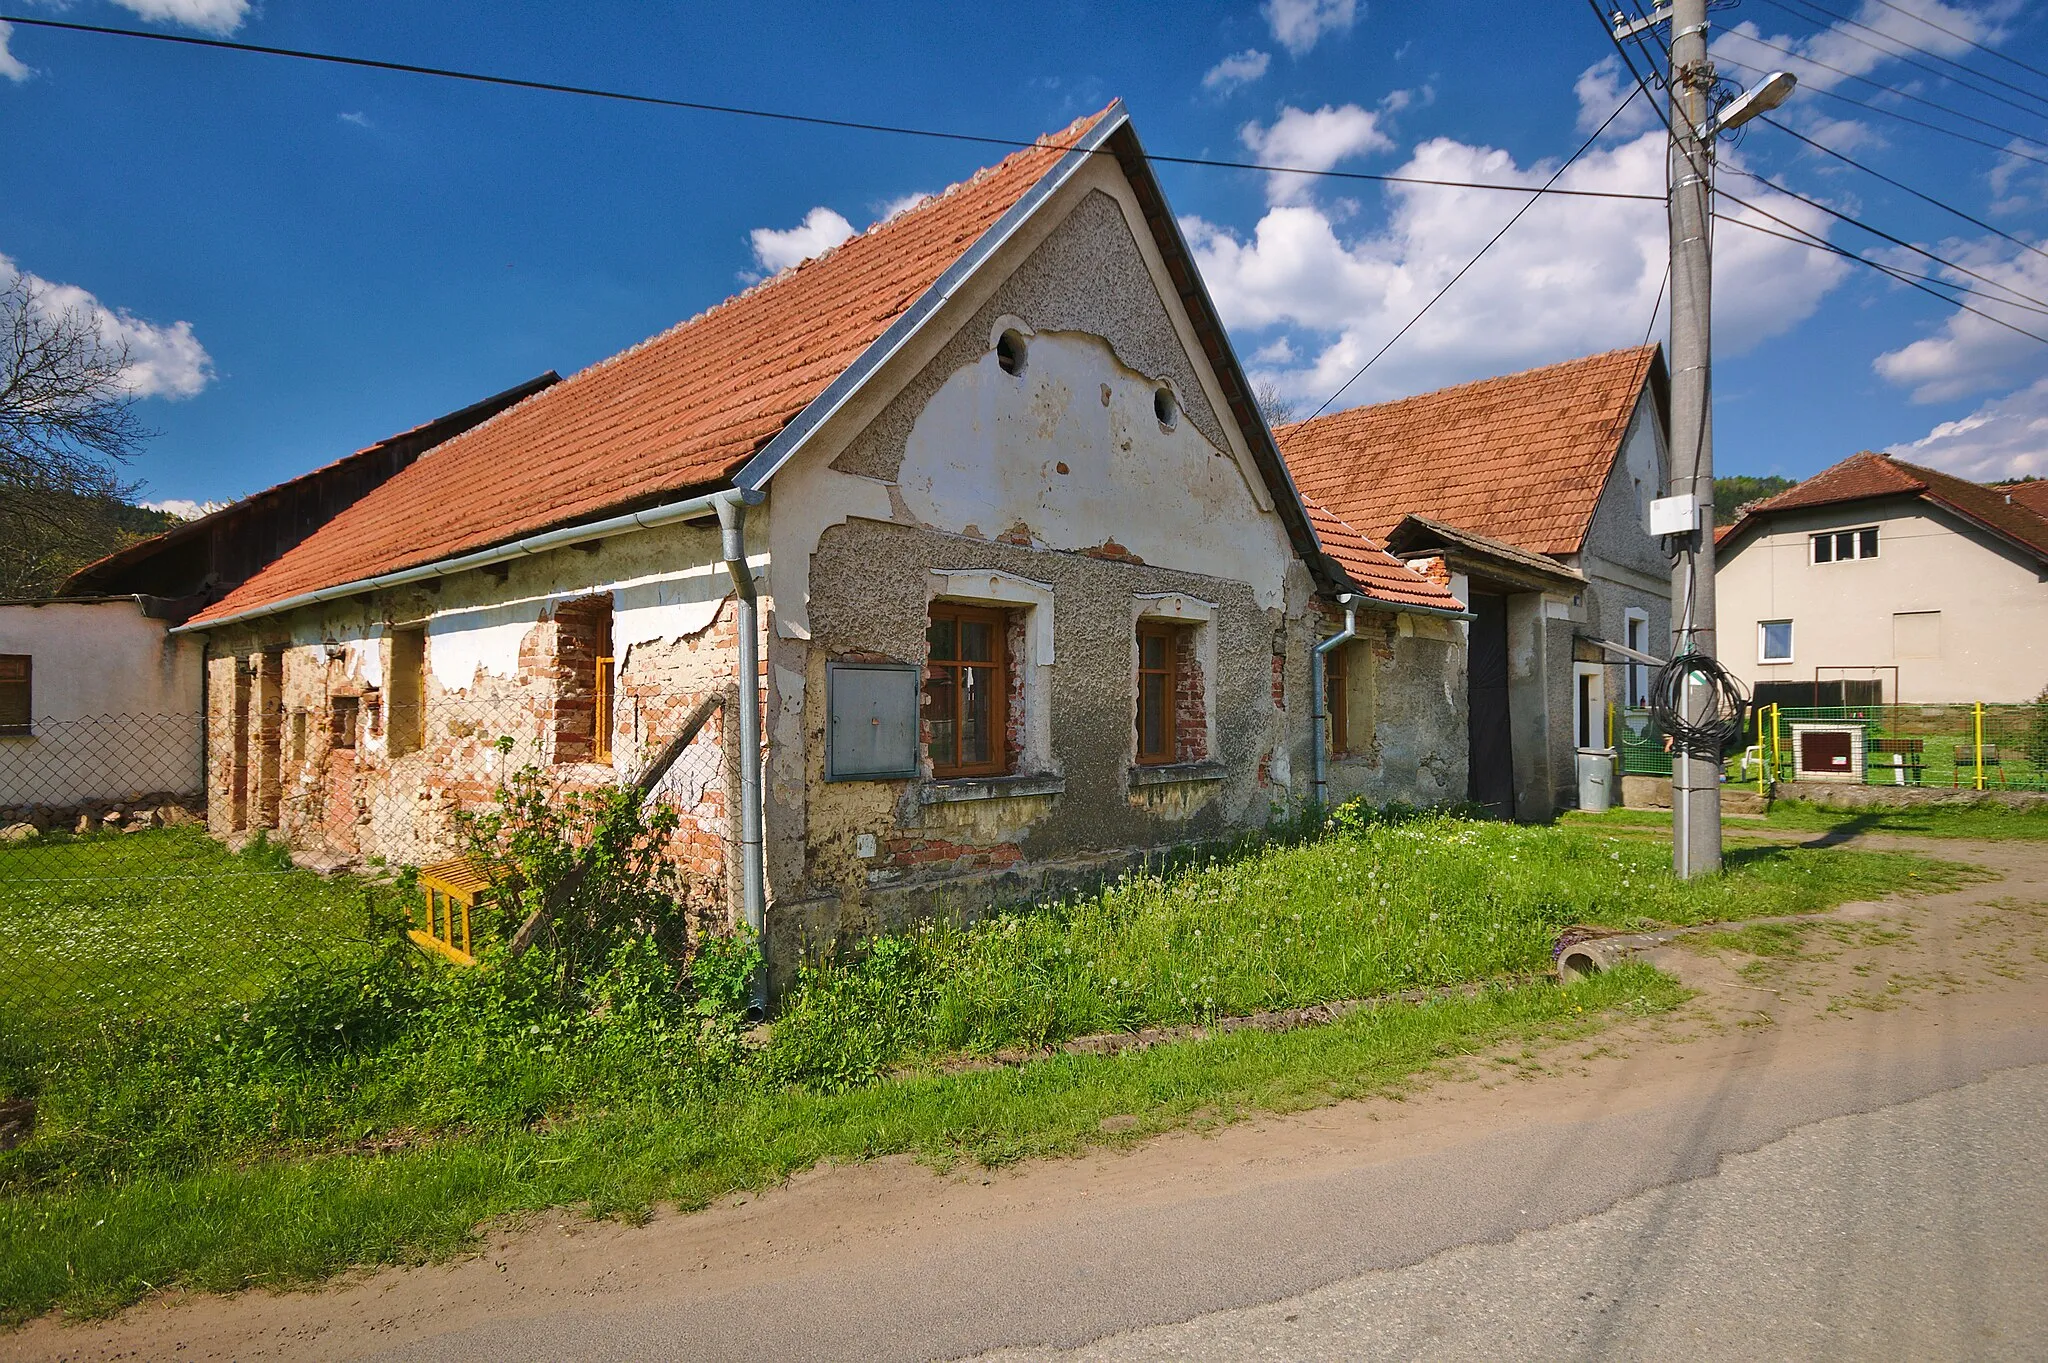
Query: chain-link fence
[127, 900]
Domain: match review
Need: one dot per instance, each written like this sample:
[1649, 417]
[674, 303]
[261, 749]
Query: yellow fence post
[1980, 745]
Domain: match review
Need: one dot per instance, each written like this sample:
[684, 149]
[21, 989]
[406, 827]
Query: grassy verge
[115, 930]
[240, 1145]
[1986, 820]
[276, 1223]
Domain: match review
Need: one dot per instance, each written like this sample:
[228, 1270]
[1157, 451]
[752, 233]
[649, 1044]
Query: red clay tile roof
[1377, 575]
[2033, 496]
[678, 412]
[1867, 475]
[1520, 458]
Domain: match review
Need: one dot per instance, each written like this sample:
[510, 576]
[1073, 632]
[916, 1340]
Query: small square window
[1866, 543]
[1823, 548]
[14, 694]
[1774, 641]
[344, 713]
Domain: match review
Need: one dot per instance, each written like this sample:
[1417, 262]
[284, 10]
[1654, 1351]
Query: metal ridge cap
[645, 519]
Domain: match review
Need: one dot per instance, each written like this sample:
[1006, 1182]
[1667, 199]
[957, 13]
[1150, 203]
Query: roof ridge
[1449, 389]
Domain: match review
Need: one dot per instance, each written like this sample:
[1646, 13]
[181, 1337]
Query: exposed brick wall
[583, 634]
[1190, 698]
[1013, 690]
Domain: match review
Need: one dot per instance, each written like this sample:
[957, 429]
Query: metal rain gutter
[1319, 788]
[732, 524]
[668, 513]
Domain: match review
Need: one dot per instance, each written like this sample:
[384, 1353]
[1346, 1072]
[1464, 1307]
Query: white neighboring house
[98, 705]
[1877, 570]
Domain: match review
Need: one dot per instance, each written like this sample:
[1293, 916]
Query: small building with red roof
[975, 512]
[1912, 584]
[1528, 495]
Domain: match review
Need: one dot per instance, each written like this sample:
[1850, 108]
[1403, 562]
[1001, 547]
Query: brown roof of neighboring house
[1521, 458]
[1377, 574]
[724, 397]
[2033, 496]
[1868, 475]
[678, 412]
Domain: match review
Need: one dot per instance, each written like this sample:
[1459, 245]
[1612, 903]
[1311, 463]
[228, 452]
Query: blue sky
[307, 258]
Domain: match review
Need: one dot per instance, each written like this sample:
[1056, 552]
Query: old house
[100, 703]
[1529, 494]
[1901, 582]
[974, 516]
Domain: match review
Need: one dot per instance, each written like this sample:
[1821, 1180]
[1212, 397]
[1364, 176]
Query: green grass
[1985, 820]
[113, 931]
[93, 1249]
[233, 1147]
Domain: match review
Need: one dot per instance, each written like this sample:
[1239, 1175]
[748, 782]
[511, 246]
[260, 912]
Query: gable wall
[1993, 630]
[958, 472]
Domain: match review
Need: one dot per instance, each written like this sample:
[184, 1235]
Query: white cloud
[2004, 439]
[1970, 353]
[1299, 24]
[163, 362]
[184, 508]
[1239, 68]
[1602, 86]
[361, 120]
[820, 231]
[1858, 51]
[10, 65]
[1312, 141]
[211, 16]
[898, 206]
[1574, 276]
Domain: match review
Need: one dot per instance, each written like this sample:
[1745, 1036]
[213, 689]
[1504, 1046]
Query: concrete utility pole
[1695, 777]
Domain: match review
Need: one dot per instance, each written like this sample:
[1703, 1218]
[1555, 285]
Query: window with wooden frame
[1337, 697]
[15, 694]
[1158, 681]
[964, 706]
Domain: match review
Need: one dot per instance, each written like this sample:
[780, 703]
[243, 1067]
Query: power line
[1846, 159]
[1883, 235]
[1923, 283]
[1936, 72]
[1868, 107]
[1816, 241]
[1962, 38]
[1467, 267]
[780, 116]
[1657, 306]
[1888, 89]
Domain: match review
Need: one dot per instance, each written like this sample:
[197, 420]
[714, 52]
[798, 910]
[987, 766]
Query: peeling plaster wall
[1406, 682]
[489, 674]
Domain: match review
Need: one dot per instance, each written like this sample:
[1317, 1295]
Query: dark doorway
[1492, 779]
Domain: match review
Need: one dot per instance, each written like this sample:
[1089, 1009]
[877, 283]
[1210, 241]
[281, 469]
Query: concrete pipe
[1585, 959]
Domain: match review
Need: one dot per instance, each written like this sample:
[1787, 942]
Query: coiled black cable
[1722, 717]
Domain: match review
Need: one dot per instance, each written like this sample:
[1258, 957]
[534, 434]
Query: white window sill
[1173, 773]
[989, 788]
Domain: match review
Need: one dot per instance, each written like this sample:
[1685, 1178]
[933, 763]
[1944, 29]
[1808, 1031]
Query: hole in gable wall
[1010, 352]
[1165, 408]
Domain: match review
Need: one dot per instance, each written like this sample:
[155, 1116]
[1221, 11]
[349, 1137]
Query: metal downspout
[1319, 703]
[732, 523]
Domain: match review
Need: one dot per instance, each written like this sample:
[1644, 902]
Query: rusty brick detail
[1190, 698]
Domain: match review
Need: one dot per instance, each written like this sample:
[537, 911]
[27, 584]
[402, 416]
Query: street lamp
[1766, 95]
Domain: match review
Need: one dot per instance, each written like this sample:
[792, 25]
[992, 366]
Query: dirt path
[1881, 1005]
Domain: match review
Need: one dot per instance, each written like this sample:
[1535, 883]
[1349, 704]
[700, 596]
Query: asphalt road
[1918, 1231]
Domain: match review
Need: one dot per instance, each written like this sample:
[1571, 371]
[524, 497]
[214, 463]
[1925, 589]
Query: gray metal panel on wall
[871, 721]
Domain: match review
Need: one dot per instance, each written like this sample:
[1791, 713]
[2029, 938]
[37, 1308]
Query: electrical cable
[1657, 306]
[1925, 284]
[2026, 301]
[779, 116]
[1962, 38]
[1719, 704]
[1466, 268]
[1846, 159]
[1902, 57]
[1888, 89]
[1868, 107]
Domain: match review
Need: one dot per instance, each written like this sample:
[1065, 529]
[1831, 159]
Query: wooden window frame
[1169, 637]
[27, 682]
[998, 621]
[1337, 698]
